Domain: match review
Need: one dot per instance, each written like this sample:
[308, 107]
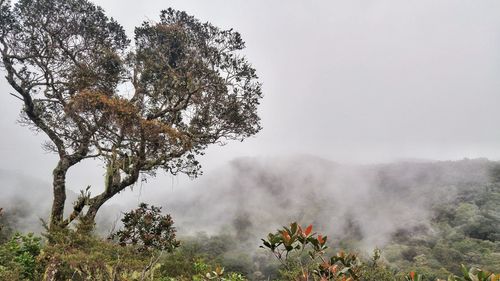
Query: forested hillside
[427, 217]
[132, 101]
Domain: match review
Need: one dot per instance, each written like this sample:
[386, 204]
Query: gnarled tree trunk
[59, 189]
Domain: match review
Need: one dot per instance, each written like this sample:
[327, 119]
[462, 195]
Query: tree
[147, 229]
[67, 61]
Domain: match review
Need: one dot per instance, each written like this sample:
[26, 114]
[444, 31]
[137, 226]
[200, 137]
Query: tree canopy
[68, 63]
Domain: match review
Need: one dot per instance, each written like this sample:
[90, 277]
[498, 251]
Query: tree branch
[16, 96]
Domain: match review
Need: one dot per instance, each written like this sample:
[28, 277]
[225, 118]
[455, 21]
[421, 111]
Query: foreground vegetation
[81, 256]
[146, 249]
[459, 241]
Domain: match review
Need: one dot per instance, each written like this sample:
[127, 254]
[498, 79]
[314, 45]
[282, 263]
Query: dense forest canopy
[435, 215]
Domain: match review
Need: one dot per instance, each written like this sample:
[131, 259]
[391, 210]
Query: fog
[254, 196]
[349, 83]
[250, 197]
[345, 80]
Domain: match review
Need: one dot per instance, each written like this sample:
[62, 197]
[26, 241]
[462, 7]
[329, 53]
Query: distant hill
[372, 200]
[426, 215]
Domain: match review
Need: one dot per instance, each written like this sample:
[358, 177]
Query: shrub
[376, 270]
[146, 228]
[80, 255]
[18, 258]
[301, 252]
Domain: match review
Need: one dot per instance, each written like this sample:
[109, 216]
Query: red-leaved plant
[295, 245]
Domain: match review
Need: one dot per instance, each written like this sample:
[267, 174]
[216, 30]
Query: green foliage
[18, 257]
[289, 245]
[146, 228]
[376, 270]
[457, 235]
[202, 254]
[79, 255]
[66, 60]
[463, 231]
[3, 235]
[476, 274]
[8, 218]
[413, 276]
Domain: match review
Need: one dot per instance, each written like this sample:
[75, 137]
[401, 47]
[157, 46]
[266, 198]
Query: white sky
[351, 81]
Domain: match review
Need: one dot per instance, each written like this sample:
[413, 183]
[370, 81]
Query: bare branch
[16, 96]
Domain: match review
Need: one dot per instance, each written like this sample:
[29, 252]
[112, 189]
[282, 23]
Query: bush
[80, 255]
[146, 228]
[301, 252]
[18, 258]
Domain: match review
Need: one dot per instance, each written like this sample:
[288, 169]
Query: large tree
[189, 87]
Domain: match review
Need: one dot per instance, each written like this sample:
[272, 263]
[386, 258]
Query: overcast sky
[351, 81]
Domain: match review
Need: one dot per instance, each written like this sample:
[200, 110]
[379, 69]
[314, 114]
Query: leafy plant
[80, 255]
[289, 245]
[413, 276]
[376, 270]
[146, 228]
[66, 61]
[218, 275]
[476, 274]
[19, 255]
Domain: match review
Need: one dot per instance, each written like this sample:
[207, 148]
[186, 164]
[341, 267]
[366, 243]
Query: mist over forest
[443, 211]
[371, 202]
[249, 140]
[251, 196]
